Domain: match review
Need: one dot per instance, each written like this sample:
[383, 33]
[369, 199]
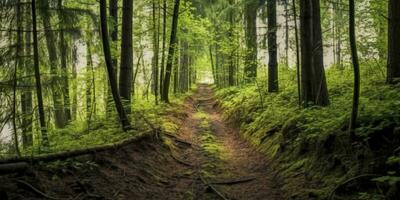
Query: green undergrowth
[310, 148]
[102, 130]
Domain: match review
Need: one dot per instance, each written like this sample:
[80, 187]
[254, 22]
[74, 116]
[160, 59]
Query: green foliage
[275, 121]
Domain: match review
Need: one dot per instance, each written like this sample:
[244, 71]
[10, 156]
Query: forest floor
[205, 159]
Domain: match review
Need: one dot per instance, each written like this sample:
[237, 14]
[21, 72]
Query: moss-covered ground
[310, 149]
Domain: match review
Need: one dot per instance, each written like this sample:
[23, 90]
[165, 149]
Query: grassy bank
[310, 148]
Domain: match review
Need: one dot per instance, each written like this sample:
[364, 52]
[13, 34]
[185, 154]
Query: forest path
[204, 160]
[222, 163]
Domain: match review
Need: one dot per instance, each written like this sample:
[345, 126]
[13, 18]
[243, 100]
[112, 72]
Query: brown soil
[205, 160]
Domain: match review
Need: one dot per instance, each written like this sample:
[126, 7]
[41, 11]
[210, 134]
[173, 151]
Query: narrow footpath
[221, 164]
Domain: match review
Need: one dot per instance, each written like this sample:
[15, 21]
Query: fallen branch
[13, 167]
[174, 137]
[37, 191]
[74, 153]
[180, 161]
[232, 182]
[213, 188]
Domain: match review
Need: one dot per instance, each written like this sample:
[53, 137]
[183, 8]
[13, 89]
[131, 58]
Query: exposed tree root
[233, 182]
[181, 161]
[177, 139]
[215, 190]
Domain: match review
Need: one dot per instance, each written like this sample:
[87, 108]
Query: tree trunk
[63, 56]
[155, 52]
[171, 52]
[74, 77]
[217, 66]
[184, 67]
[176, 71]
[321, 89]
[272, 48]
[26, 97]
[126, 69]
[17, 65]
[356, 95]
[393, 66]
[297, 52]
[164, 36]
[314, 88]
[286, 33]
[307, 72]
[110, 69]
[212, 65]
[59, 117]
[339, 38]
[89, 82]
[43, 129]
[113, 10]
[231, 36]
[250, 69]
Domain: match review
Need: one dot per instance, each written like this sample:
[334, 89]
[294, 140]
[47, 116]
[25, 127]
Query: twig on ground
[180, 161]
[236, 181]
[38, 192]
[178, 139]
[215, 190]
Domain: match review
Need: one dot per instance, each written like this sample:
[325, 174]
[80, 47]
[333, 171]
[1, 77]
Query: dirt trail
[223, 164]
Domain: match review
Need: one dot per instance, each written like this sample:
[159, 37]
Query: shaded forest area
[199, 99]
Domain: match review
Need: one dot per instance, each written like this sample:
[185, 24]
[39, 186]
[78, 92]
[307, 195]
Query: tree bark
[17, 65]
[184, 67]
[307, 72]
[43, 128]
[155, 52]
[171, 52]
[126, 69]
[393, 66]
[212, 65]
[164, 37]
[250, 68]
[356, 67]
[110, 69]
[272, 48]
[297, 52]
[26, 96]
[313, 83]
[113, 10]
[89, 82]
[64, 69]
[74, 107]
[286, 33]
[231, 67]
[321, 89]
[176, 69]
